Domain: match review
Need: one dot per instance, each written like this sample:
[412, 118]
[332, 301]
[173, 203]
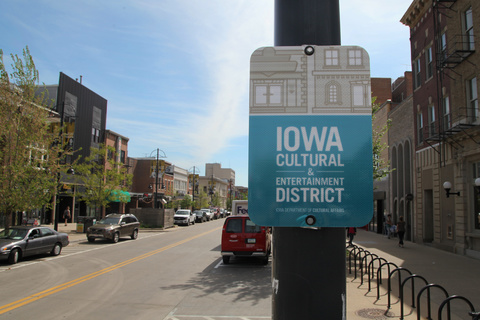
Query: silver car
[20, 241]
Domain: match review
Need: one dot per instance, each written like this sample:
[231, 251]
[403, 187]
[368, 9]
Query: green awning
[119, 196]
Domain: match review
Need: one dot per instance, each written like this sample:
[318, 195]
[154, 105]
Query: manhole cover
[374, 314]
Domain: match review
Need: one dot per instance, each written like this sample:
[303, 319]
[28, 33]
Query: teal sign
[310, 137]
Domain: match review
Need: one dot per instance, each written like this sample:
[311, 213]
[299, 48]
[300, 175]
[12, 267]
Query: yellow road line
[66, 285]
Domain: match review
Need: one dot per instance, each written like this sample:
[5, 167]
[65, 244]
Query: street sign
[310, 137]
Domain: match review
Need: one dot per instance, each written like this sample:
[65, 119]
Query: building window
[431, 120]
[419, 128]
[331, 57]
[354, 57]
[472, 99]
[469, 41]
[446, 113]
[443, 45]
[122, 156]
[476, 197]
[429, 63]
[95, 135]
[416, 72]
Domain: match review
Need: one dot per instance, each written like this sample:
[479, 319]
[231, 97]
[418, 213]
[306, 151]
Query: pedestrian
[388, 225]
[351, 231]
[66, 214]
[400, 231]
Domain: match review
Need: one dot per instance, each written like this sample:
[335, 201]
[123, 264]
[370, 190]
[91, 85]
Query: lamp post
[155, 197]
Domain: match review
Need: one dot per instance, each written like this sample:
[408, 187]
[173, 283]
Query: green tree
[29, 154]
[186, 202]
[201, 200]
[380, 165]
[216, 199]
[102, 178]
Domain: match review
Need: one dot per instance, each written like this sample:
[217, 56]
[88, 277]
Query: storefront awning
[119, 196]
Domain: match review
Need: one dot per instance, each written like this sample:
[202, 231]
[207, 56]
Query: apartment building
[445, 68]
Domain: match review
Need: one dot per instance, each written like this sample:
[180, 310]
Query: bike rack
[429, 305]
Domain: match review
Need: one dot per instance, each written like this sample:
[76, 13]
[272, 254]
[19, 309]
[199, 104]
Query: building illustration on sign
[326, 80]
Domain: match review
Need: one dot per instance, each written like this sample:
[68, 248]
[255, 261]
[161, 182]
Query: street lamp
[155, 205]
[448, 186]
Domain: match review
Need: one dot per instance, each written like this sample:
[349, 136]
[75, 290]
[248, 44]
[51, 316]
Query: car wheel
[134, 234]
[226, 259]
[57, 248]
[116, 237]
[90, 239]
[193, 222]
[14, 256]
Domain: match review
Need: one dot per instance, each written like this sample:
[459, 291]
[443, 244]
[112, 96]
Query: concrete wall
[154, 218]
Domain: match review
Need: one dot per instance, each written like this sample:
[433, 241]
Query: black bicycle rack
[360, 259]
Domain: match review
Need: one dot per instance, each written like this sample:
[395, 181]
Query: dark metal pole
[308, 264]
[156, 184]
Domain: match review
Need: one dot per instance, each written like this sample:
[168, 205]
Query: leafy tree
[380, 165]
[102, 177]
[186, 202]
[201, 200]
[29, 154]
[216, 199]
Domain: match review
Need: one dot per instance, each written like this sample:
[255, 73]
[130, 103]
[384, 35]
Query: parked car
[209, 213]
[184, 216]
[242, 237]
[21, 241]
[223, 213]
[200, 216]
[113, 227]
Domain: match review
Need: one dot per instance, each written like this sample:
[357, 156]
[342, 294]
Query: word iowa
[291, 138]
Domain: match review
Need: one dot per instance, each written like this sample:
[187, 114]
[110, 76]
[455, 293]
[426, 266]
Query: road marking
[69, 250]
[40, 295]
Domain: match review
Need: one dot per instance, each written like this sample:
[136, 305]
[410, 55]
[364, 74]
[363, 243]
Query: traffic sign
[310, 137]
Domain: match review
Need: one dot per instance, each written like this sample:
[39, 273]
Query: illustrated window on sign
[268, 94]
[354, 57]
[333, 93]
[331, 57]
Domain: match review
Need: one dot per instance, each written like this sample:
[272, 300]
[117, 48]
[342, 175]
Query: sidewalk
[459, 275]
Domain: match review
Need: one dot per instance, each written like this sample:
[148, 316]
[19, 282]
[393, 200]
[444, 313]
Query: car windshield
[13, 233]
[198, 213]
[110, 220]
[183, 212]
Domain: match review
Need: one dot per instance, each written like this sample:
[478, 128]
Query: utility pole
[309, 263]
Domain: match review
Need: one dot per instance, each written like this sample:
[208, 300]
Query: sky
[176, 72]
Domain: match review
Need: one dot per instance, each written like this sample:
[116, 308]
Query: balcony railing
[459, 49]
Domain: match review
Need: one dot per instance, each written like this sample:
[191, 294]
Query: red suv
[241, 237]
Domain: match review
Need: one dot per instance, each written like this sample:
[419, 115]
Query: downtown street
[164, 274]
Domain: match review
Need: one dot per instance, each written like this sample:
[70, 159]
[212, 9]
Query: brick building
[447, 133]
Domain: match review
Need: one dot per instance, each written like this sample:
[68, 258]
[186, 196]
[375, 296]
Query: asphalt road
[170, 275]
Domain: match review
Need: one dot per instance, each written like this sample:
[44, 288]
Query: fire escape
[448, 57]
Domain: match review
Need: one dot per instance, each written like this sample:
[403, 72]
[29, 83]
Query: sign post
[301, 153]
